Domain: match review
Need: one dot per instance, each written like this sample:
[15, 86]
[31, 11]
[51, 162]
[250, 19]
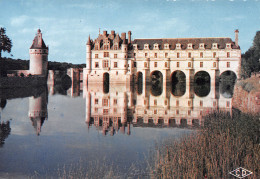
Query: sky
[66, 24]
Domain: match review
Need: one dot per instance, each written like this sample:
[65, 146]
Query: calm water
[46, 129]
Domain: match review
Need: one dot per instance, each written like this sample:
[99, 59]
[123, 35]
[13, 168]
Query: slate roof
[184, 43]
[36, 45]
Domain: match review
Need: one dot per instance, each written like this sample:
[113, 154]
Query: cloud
[19, 21]
[232, 18]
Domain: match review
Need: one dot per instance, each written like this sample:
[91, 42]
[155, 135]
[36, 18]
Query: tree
[251, 59]
[5, 42]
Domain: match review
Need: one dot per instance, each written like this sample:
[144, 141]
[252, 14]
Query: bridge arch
[228, 75]
[202, 83]
[156, 83]
[178, 83]
[227, 83]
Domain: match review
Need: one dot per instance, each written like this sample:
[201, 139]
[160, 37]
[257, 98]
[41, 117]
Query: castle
[119, 59]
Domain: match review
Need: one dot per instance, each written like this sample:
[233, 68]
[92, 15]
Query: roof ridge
[183, 38]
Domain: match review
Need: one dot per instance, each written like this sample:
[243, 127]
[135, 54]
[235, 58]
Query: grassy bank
[222, 145]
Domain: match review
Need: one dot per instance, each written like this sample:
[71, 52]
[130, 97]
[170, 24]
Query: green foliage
[5, 42]
[250, 60]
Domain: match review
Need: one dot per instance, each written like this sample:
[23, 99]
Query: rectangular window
[115, 101]
[96, 55]
[214, 54]
[155, 111]
[177, 112]
[214, 64]
[189, 64]
[145, 64]
[189, 103]
[105, 102]
[96, 47]
[145, 112]
[228, 104]
[144, 102]
[96, 65]
[115, 110]
[106, 54]
[116, 72]
[201, 64]
[166, 64]
[96, 101]
[178, 64]
[105, 111]
[189, 55]
[115, 64]
[155, 102]
[105, 64]
[115, 47]
[201, 54]
[96, 110]
[214, 103]
[166, 55]
[115, 55]
[201, 103]
[228, 54]
[134, 54]
[189, 112]
[178, 55]
[155, 64]
[145, 54]
[177, 103]
[155, 55]
[228, 64]
[135, 64]
[165, 102]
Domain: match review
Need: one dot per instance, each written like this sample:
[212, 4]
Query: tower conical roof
[38, 42]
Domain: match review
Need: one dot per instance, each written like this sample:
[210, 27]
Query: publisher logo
[240, 172]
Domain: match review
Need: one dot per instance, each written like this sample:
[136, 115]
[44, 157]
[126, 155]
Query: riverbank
[20, 82]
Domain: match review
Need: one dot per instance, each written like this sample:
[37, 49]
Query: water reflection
[5, 131]
[115, 110]
[38, 110]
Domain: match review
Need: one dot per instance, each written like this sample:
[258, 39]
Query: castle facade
[119, 59]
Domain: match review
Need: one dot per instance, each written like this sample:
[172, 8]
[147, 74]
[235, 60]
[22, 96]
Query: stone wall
[248, 102]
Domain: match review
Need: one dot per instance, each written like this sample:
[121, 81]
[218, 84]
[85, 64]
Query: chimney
[129, 37]
[123, 35]
[236, 37]
[113, 34]
[105, 33]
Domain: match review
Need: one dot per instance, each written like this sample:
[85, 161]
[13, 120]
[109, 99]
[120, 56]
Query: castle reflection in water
[114, 108]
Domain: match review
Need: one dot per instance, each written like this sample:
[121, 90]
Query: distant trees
[5, 42]
[251, 59]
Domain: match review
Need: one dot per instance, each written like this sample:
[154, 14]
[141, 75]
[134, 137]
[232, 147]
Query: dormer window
[115, 47]
[178, 46]
[146, 46]
[156, 46]
[189, 46]
[96, 47]
[214, 46]
[201, 46]
[135, 47]
[228, 45]
[166, 46]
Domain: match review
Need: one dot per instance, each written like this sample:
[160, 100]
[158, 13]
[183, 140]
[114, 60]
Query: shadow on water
[156, 83]
[178, 81]
[62, 82]
[202, 84]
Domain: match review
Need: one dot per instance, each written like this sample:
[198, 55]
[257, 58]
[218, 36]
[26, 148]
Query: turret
[88, 55]
[39, 56]
[124, 51]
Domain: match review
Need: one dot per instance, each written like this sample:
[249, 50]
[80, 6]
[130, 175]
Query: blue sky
[66, 24]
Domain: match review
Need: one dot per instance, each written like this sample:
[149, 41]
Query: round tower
[39, 56]
[124, 51]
